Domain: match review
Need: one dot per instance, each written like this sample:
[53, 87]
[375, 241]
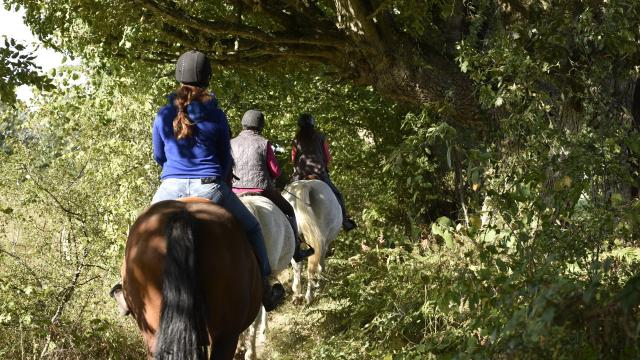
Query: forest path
[291, 333]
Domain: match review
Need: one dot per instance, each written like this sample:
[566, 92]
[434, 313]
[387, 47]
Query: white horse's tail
[276, 229]
[308, 220]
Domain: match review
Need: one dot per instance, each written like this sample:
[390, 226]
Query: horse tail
[308, 219]
[183, 329]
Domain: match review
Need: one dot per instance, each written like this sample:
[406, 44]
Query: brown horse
[190, 279]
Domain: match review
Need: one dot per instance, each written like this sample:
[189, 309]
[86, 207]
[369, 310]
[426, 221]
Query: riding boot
[272, 295]
[348, 224]
[299, 254]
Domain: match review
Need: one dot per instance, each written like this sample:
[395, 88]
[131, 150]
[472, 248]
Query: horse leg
[296, 286]
[149, 340]
[249, 340]
[224, 347]
[313, 272]
[263, 326]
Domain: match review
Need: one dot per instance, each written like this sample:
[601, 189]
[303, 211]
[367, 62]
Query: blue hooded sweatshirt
[205, 154]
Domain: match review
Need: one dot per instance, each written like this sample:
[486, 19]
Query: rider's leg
[347, 223]
[287, 209]
[273, 295]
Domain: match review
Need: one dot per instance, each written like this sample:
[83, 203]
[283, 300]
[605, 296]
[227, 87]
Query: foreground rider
[191, 143]
[311, 157]
[256, 167]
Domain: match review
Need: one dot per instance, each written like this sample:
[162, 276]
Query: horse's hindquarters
[319, 221]
[229, 277]
[277, 231]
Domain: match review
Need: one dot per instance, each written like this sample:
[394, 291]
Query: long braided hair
[184, 96]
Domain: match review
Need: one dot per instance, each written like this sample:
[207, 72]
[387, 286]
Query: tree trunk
[405, 78]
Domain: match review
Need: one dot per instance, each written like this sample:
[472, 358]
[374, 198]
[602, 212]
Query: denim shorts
[218, 192]
[173, 189]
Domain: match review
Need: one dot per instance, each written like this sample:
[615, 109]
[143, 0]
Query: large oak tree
[404, 49]
[408, 50]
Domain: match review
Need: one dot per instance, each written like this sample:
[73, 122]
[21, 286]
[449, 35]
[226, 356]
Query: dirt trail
[290, 333]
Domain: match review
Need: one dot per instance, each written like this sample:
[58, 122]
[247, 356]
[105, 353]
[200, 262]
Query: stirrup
[299, 254]
[348, 224]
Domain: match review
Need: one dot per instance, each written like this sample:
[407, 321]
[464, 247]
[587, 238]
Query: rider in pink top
[310, 157]
[325, 152]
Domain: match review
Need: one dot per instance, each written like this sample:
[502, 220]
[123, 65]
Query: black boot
[272, 295]
[348, 224]
[299, 254]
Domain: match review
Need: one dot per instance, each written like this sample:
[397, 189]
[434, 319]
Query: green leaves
[443, 227]
[17, 68]
[6, 210]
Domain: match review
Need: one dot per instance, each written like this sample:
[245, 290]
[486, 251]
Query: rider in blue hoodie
[207, 152]
[191, 141]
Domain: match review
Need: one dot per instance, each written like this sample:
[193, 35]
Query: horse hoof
[297, 300]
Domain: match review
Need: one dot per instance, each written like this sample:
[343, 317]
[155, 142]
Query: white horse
[319, 220]
[280, 243]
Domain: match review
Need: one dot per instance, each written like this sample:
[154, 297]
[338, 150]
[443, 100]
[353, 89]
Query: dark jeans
[280, 201]
[327, 180]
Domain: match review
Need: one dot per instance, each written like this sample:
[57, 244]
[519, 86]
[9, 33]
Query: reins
[290, 193]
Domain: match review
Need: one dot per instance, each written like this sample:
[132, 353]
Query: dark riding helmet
[306, 120]
[253, 119]
[193, 68]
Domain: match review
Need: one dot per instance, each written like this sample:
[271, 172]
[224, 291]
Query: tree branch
[225, 28]
[284, 20]
[179, 35]
[66, 293]
[55, 198]
[23, 263]
[353, 15]
[379, 8]
[313, 16]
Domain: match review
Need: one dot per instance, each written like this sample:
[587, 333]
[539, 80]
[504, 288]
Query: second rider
[256, 168]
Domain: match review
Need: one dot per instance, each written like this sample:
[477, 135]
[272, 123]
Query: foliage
[513, 238]
[469, 300]
[380, 45]
[17, 68]
[64, 226]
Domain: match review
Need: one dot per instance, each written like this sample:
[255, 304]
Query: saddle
[249, 193]
[194, 199]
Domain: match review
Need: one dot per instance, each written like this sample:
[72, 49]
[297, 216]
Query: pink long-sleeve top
[325, 150]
